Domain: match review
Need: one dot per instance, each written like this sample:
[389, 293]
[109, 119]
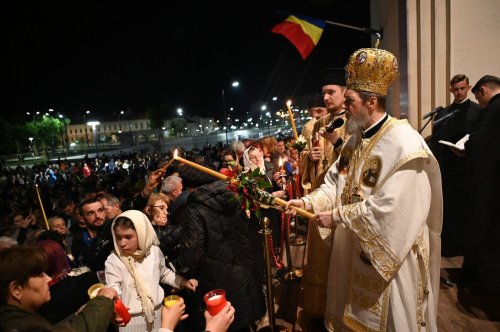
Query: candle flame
[175, 154]
[289, 103]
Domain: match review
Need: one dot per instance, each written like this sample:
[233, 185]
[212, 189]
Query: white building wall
[435, 40]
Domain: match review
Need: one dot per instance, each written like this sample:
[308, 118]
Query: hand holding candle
[215, 301]
[122, 311]
[170, 300]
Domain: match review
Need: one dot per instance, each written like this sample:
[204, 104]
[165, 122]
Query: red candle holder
[215, 301]
[122, 311]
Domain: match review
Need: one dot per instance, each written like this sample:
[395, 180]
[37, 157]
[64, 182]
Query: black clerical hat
[335, 76]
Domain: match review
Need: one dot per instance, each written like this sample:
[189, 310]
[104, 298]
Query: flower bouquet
[300, 143]
[248, 189]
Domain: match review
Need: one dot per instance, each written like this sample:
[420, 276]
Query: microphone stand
[425, 125]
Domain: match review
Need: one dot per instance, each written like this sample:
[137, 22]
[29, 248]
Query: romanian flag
[302, 31]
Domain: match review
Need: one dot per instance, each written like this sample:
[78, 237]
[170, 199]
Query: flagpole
[366, 30]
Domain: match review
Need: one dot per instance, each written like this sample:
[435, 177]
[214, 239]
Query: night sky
[107, 57]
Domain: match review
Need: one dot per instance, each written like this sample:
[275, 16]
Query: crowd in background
[211, 240]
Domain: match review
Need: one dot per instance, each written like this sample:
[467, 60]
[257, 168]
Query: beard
[354, 125]
[359, 122]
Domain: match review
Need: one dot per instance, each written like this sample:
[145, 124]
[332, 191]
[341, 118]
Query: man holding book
[452, 165]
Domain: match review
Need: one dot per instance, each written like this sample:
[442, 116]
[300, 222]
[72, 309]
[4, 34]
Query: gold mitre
[371, 70]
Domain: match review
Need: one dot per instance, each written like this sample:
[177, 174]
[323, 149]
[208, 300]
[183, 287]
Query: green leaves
[248, 188]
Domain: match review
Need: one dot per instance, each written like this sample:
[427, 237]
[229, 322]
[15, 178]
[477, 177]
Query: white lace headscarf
[146, 237]
[249, 165]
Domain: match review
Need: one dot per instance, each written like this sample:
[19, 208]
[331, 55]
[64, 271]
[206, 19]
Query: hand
[153, 181]
[221, 321]
[316, 153]
[108, 292]
[30, 219]
[331, 137]
[279, 194]
[325, 219]
[278, 178]
[170, 317]
[293, 202]
[190, 284]
[117, 320]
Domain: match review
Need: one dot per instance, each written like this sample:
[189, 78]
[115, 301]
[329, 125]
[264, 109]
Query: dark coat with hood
[216, 248]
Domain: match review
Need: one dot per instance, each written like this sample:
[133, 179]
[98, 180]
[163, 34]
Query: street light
[86, 134]
[226, 119]
[94, 124]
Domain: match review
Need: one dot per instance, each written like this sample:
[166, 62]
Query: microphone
[437, 109]
[334, 125]
[447, 116]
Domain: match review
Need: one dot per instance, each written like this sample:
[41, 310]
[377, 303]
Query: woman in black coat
[216, 249]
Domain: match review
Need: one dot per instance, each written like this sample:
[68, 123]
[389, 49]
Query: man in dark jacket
[216, 248]
[481, 267]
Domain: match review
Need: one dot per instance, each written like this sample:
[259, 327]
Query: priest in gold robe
[320, 153]
[383, 200]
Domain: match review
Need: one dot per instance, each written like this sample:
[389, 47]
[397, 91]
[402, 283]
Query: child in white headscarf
[136, 268]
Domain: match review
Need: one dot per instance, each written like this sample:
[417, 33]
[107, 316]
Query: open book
[458, 145]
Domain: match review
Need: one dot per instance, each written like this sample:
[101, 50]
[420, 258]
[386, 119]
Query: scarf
[248, 165]
[146, 237]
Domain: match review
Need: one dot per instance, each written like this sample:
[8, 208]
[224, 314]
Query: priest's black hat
[333, 76]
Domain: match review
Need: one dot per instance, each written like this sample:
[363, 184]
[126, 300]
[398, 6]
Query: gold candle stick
[41, 206]
[292, 121]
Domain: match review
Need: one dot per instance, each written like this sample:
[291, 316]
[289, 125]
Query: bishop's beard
[354, 125]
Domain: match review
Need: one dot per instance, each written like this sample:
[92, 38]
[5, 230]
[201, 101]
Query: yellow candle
[290, 114]
[168, 164]
[207, 170]
[300, 212]
[170, 300]
[41, 206]
[280, 202]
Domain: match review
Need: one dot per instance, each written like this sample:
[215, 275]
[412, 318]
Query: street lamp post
[86, 133]
[31, 146]
[94, 124]
[226, 119]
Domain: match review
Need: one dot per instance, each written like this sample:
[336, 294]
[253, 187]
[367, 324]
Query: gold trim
[419, 154]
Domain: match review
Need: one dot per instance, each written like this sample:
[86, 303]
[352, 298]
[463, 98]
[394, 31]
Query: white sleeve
[113, 272]
[167, 276]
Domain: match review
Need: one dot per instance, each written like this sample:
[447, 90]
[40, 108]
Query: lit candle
[207, 170]
[215, 301]
[290, 114]
[281, 165]
[41, 206]
[220, 176]
[170, 161]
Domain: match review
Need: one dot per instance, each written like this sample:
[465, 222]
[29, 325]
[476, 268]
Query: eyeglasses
[162, 207]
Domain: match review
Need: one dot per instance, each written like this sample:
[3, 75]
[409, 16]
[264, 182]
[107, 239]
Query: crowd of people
[145, 230]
